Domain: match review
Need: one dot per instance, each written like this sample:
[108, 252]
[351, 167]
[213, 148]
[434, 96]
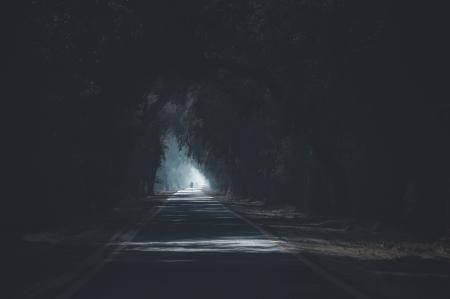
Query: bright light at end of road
[197, 178]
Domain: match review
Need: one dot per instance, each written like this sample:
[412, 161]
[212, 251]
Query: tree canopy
[331, 105]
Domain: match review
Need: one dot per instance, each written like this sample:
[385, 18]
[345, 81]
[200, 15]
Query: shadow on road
[196, 248]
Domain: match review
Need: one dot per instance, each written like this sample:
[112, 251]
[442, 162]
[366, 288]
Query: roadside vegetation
[331, 106]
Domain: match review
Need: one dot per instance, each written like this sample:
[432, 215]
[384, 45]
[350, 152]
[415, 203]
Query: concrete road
[197, 248]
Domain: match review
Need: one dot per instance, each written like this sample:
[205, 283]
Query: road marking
[311, 265]
[128, 236]
[96, 260]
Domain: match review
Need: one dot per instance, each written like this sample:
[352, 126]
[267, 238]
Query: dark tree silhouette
[336, 106]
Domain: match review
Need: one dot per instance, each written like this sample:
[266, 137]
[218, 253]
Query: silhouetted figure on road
[192, 185]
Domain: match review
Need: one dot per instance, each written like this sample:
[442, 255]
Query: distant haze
[177, 170]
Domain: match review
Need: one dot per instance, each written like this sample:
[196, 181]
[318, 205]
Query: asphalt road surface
[197, 248]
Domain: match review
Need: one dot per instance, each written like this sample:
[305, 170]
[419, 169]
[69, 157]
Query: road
[196, 248]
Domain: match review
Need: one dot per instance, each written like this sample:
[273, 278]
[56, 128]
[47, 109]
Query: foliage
[328, 104]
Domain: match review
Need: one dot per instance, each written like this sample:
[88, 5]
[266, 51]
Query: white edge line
[313, 266]
[78, 284]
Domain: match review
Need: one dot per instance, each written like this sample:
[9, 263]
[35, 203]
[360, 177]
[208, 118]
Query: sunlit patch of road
[229, 244]
[197, 248]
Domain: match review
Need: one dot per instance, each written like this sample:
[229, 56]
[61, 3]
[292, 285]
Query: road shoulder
[382, 263]
[49, 261]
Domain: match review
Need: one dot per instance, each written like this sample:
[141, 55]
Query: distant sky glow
[198, 178]
[178, 170]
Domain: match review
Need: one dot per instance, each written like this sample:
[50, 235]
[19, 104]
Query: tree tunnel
[177, 170]
[318, 104]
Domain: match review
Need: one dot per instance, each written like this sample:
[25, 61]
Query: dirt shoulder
[35, 262]
[378, 260]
